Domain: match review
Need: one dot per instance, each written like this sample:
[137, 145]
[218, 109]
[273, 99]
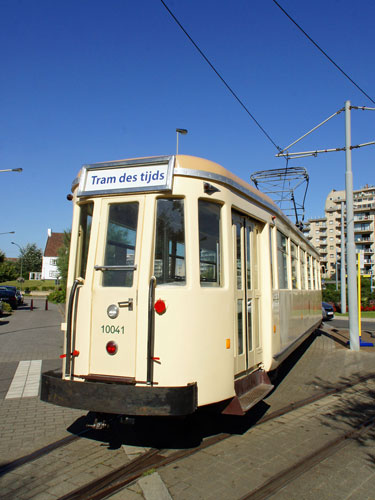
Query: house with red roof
[49, 264]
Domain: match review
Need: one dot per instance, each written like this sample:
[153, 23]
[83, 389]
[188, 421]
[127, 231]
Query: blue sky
[86, 81]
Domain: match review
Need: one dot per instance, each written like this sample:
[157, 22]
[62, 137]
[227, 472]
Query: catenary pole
[343, 263]
[352, 285]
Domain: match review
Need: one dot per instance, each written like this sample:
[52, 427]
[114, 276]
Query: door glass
[249, 324]
[120, 243]
[239, 261]
[248, 257]
[169, 264]
[239, 327]
[84, 232]
[209, 243]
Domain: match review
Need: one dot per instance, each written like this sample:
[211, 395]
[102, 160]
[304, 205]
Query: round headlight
[113, 311]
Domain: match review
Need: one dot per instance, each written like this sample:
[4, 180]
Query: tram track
[308, 462]
[45, 450]
[157, 458]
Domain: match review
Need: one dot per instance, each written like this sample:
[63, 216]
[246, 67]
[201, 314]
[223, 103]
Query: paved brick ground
[228, 470]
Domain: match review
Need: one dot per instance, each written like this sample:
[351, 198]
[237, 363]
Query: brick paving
[228, 470]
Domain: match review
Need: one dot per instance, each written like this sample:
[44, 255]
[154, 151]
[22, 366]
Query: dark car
[327, 311]
[9, 296]
[16, 291]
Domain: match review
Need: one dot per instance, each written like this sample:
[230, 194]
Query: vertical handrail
[151, 331]
[69, 320]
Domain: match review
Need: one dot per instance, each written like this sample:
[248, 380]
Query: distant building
[49, 265]
[325, 232]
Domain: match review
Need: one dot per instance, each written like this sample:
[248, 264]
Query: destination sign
[129, 177]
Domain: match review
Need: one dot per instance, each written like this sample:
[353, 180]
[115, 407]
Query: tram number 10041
[112, 329]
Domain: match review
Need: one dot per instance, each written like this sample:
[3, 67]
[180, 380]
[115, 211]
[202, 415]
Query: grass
[364, 314]
[41, 285]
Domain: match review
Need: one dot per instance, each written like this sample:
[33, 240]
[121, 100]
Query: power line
[323, 52]
[219, 75]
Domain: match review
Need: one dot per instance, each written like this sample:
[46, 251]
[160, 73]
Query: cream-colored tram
[186, 286]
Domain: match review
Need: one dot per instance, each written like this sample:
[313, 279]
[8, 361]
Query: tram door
[247, 293]
[115, 287]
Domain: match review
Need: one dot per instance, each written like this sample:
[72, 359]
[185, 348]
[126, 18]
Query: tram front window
[209, 243]
[85, 219]
[120, 244]
[169, 267]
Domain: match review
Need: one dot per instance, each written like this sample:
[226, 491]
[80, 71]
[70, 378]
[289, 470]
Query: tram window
[282, 260]
[294, 256]
[271, 260]
[303, 269]
[120, 243]
[209, 243]
[316, 285]
[85, 219]
[169, 267]
[309, 276]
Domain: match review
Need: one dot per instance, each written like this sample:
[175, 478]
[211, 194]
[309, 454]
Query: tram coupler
[127, 420]
[99, 424]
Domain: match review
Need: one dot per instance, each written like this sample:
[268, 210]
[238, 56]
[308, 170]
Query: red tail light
[111, 347]
[160, 306]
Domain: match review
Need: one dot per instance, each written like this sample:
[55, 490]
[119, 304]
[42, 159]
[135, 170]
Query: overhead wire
[219, 75]
[322, 51]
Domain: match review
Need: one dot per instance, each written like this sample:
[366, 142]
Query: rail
[151, 331]
[68, 354]
[115, 268]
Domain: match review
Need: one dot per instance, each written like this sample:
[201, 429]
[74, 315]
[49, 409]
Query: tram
[186, 287]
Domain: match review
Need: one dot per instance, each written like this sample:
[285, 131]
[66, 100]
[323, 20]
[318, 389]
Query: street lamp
[9, 232]
[17, 245]
[181, 131]
[12, 170]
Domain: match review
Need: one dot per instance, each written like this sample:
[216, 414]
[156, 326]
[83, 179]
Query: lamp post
[9, 232]
[343, 263]
[350, 244]
[17, 245]
[12, 170]
[181, 131]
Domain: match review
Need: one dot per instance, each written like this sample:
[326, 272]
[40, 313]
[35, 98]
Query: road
[343, 323]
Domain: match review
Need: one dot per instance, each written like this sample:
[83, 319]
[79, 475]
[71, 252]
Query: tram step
[255, 395]
[249, 391]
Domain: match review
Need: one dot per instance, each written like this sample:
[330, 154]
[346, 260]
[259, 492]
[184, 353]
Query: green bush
[7, 307]
[57, 296]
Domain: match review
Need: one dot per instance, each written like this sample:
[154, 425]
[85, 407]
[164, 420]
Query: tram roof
[215, 170]
[193, 166]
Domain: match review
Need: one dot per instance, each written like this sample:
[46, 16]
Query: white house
[49, 265]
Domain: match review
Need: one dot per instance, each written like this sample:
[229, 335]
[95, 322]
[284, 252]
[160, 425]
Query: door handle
[128, 303]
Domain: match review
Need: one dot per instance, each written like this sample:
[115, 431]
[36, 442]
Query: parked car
[16, 291]
[1, 307]
[327, 311]
[9, 296]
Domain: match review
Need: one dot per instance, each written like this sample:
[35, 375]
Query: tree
[63, 258]
[8, 271]
[32, 257]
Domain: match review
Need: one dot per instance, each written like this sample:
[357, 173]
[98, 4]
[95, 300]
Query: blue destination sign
[132, 176]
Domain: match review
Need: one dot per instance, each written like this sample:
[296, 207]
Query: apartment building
[325, 232]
